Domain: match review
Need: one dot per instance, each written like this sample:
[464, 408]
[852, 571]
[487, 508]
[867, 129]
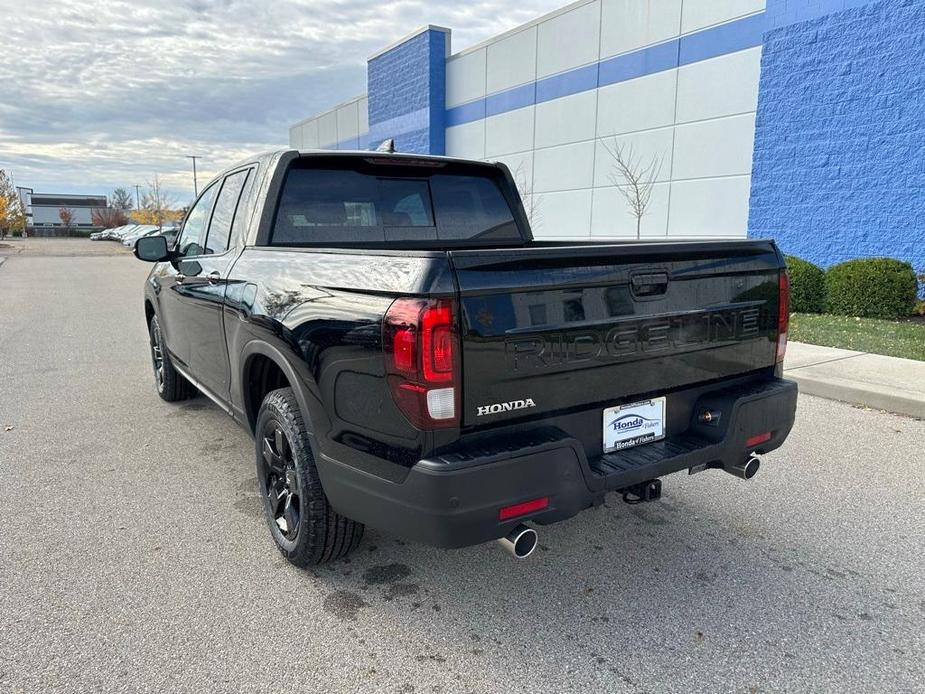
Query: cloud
[95, 95]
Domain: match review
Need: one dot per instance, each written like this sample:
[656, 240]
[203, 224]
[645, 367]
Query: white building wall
[49, 216]
[698, 119]
[341, 127]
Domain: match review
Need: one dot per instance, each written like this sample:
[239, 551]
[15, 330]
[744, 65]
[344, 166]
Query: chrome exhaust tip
[744, 470]
[520, 542]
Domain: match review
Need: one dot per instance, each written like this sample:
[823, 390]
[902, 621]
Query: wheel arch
[264, 369]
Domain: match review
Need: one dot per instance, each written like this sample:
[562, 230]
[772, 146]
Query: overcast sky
[105, 94]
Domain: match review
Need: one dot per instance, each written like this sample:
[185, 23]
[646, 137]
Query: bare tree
[108, 217]
[156, 206]
[531, 200]
[634, 177]
[66, 215]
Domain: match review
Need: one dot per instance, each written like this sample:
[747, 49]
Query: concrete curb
[871, 380]
[868, 395]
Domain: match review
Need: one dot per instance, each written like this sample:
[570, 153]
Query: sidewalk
[59, 246]
[872, 380]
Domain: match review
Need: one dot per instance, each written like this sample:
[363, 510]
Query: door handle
[214, 276]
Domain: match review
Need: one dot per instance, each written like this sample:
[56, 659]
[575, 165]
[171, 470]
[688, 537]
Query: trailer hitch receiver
[643, 492]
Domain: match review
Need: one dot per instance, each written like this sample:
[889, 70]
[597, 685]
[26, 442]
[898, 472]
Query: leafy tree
[121, 199]
[66, 215]
[12, 214]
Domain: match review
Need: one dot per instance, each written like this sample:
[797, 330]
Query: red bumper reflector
[758, 438]
[521, 509]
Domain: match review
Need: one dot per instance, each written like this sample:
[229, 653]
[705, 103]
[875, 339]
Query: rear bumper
[453, 500]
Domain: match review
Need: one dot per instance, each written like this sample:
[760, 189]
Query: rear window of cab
[357, 201]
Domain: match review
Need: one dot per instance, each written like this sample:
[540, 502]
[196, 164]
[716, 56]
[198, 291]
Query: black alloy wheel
[157, 355]
[281, 481]
[304, 526]
[171, 385]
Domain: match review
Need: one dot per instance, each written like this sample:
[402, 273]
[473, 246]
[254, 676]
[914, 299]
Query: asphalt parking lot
[134, 557]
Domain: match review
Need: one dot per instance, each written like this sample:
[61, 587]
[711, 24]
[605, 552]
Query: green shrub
[807, 286]
[871, 288]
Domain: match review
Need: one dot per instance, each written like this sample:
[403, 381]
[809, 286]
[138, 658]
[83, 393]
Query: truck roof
[271, 154]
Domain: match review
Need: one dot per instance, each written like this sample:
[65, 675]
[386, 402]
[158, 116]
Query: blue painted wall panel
[839, 162]
[406, 81]
[785, 12]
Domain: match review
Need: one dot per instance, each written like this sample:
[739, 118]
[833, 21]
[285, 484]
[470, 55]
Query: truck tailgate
[552, 328]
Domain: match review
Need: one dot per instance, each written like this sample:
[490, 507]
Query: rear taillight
[421, 348]
[783, 315]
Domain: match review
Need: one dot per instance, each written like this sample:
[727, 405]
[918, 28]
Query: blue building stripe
[716, 41]
[510, 99]
[647, 61]
[720, 40]
[474, 110]
[580, 79]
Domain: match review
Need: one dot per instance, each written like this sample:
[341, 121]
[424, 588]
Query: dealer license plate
[626, 426]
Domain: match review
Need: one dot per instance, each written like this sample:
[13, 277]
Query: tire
[304, 526]
[171, 386]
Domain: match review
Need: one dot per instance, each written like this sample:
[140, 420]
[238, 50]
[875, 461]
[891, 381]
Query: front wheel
[304, 526]
[171, 386]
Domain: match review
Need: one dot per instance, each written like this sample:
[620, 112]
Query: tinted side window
[223, 215]
[193, 235]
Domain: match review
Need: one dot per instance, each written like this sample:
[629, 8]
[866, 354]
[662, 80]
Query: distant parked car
[131, 239]
[116, 233]
[107, 234]
[170, 233]
[139, 231]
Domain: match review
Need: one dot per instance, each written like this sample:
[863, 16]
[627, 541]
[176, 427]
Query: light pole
[137, 197]
[194, 157]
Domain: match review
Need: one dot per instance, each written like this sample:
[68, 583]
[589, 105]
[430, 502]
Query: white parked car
[147, 230]
[117, 233]
[107, 234]
[140, 230]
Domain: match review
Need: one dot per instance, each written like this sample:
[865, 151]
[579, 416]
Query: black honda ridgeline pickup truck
[407, 356]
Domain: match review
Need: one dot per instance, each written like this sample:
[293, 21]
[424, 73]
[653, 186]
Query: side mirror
[152, 249]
